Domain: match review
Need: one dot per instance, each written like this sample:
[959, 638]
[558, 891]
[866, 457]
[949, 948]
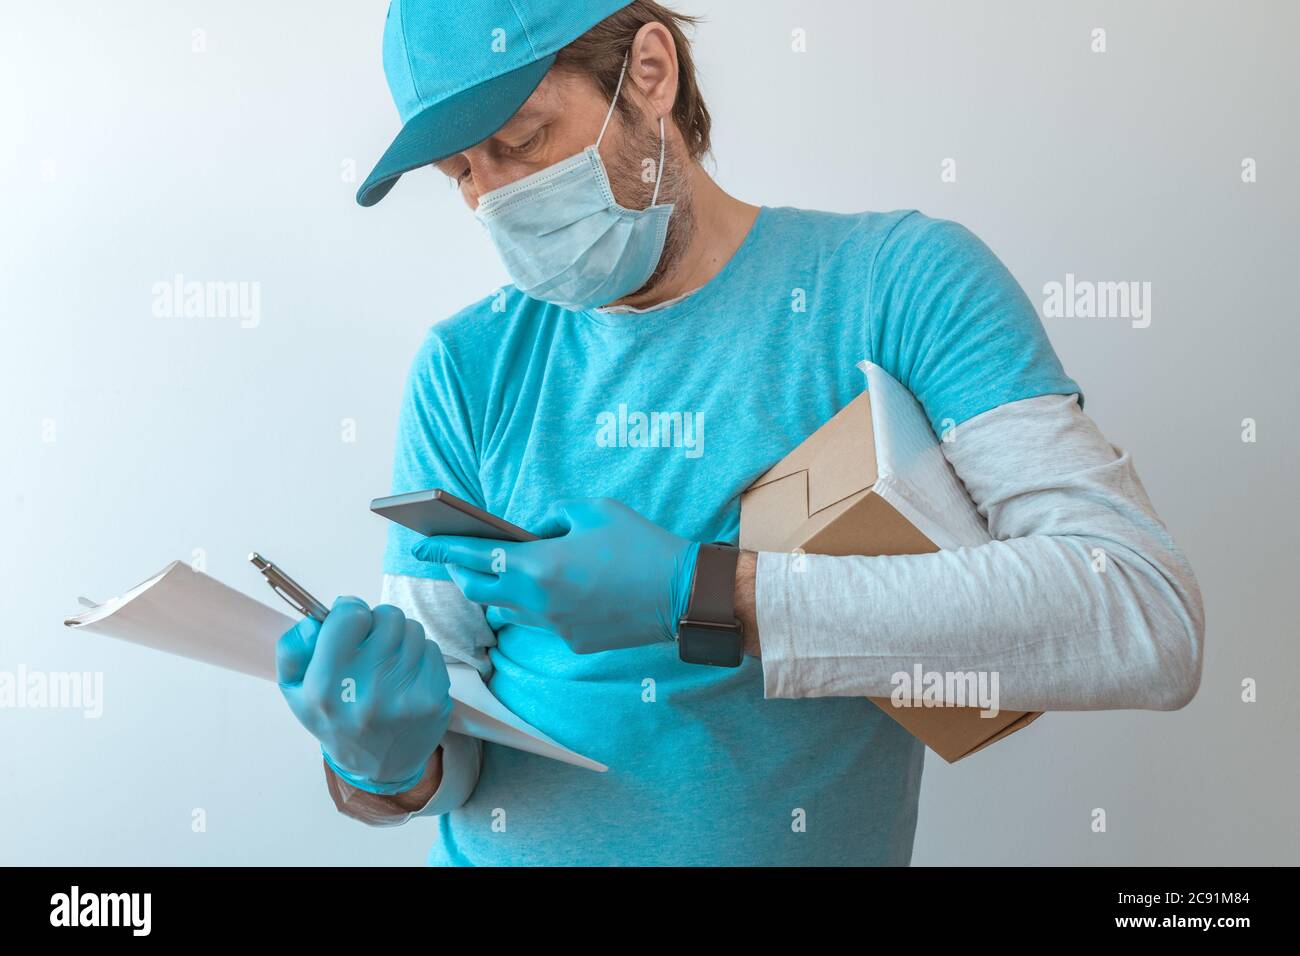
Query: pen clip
[299, 606]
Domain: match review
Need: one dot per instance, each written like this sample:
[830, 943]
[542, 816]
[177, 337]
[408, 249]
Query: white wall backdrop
[128, 157]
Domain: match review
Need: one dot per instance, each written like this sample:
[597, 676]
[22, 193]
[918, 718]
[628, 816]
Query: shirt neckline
[633, 321]
[633, 310]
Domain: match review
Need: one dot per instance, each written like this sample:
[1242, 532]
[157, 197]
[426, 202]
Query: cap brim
[447, 127]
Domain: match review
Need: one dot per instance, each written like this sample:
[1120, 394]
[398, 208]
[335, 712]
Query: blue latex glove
[371, 688]
[602, 577]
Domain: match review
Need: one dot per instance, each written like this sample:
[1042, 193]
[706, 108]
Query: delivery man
[725, 690]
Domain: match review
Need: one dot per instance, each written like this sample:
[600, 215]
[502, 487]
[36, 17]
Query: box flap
[1024, 720]
[863, 524]
[773, 512]
[955, 732]
[833, 474]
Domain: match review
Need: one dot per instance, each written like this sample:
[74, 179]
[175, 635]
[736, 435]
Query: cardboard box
[873, 480]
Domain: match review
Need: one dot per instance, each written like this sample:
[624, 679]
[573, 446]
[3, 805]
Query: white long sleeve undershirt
[1081, 602]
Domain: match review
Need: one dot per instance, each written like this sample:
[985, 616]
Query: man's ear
[652, 66]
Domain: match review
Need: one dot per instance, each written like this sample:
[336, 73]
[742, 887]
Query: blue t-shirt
[513, 403]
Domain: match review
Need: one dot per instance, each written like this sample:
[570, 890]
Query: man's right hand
[371, 688]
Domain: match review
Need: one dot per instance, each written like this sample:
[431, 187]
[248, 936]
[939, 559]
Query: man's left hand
[602, 577]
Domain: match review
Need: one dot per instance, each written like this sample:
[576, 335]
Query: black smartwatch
[709, 633]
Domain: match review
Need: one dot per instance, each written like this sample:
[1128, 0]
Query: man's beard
[633, 192]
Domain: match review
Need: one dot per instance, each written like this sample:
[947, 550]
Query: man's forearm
[746, 605]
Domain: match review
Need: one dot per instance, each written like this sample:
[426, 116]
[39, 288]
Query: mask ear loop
[610, 114]
[659, 173]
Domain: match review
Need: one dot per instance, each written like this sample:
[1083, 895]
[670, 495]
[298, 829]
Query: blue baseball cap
[459, 69]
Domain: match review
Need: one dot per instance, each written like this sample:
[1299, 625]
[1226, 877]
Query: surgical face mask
[563, 237]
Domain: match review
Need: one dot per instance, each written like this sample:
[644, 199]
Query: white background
[126, 158]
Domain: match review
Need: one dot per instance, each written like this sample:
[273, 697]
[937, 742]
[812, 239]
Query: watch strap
[713, 590]
[709, 632]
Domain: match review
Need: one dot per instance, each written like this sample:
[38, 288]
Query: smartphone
[440, 512]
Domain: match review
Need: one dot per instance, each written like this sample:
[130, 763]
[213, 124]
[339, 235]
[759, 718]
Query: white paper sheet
[186, 612]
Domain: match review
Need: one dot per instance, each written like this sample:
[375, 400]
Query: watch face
[719, 645]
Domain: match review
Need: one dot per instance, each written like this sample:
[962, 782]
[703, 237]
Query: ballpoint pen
[289, 589]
